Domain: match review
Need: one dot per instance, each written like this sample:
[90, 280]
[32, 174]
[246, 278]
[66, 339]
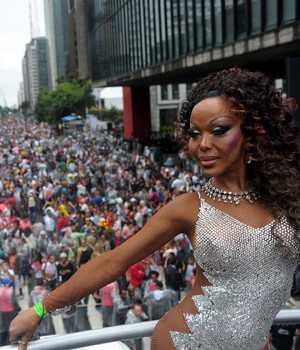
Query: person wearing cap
[65, 269]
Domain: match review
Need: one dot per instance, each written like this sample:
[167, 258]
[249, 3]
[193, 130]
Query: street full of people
[232, 241]
[67, 199]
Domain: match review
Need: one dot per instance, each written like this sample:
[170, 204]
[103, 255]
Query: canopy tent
[72, 123]
[68, 118]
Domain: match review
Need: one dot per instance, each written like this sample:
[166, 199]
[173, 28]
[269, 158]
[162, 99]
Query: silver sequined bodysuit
[251, 273]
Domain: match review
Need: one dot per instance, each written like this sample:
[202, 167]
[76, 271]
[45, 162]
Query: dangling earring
[248, 161]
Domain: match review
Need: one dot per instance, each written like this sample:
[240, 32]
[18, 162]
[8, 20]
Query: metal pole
[92, 337]
[118, 333]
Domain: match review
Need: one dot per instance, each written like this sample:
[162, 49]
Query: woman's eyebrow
[220, 116]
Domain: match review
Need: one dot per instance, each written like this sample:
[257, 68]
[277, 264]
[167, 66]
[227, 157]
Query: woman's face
[52, 259]
[216, 140]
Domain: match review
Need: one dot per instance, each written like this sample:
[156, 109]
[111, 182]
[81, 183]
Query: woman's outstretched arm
[176, 217]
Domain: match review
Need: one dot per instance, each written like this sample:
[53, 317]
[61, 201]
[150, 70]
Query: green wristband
[39, 309]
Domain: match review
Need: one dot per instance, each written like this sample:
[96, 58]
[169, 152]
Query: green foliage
[167, 129]
[5, 110]
[25, 106]
[113, 115]
[70, 97]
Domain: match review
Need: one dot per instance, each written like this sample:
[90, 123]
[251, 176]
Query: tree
[113, 114]
[25, 106]
[70, 97]
[5, 111]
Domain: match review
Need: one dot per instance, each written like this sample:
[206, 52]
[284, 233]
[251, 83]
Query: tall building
[25, 77]
[78, 39]
[36, 70]
[66, 29]
[56, 12]
[56, 32]
[140, 43]
[21, 95]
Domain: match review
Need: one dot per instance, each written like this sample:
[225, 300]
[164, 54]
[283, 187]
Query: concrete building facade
[66, 29]
[140, 43]
[55, 25]
[36, 70]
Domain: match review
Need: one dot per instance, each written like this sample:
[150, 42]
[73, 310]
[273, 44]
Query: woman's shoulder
[188, 198]
[184, 207]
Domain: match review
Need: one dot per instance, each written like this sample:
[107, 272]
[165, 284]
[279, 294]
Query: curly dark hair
[271, 141]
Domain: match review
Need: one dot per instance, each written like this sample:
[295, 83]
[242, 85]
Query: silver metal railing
[118, 333]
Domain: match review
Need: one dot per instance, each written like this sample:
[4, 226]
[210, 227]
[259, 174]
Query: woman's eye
[193, 134]
[220, 130]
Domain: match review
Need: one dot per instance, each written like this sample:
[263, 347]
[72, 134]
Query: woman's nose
[204, 143]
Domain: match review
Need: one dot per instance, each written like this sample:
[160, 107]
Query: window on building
[138, 37]
[147, 31]
[169, 29]
[188, 88]
[190, 19]
[163, 30]
[218, 22]
[133, 36]
[175, 28]
[271, 12]
[199, 24]
[288, 10]
[182, 16]
[143, 35]
[157, 29]
[175, 92]
[152, 32]
[241, 25]
[168, 116]
[164, 92]
[255, 16]
[208, 31]
[229, 21]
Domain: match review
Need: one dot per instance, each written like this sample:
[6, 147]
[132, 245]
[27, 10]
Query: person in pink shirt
[108, 293]
[8, 309]
[128, 230]
[25, 222]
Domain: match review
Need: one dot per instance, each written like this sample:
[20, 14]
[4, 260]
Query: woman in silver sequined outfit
[243, 225]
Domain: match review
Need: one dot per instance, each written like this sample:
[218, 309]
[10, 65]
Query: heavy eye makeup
[217, 131]
[193, 133]
[221, 129]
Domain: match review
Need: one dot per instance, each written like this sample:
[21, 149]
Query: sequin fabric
[251, 274]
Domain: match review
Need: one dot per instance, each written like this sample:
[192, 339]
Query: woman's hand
[23, 327]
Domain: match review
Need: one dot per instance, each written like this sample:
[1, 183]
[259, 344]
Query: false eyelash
[192, 132]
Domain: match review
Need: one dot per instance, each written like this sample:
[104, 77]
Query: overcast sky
[14, 35]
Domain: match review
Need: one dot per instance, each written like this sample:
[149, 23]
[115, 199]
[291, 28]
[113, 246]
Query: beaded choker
[228, 196]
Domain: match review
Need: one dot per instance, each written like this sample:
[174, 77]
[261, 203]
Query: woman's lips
[207, 161]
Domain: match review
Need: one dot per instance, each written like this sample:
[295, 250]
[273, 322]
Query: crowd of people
[66, 199]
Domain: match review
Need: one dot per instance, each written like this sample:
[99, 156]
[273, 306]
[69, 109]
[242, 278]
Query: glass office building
[130, 35]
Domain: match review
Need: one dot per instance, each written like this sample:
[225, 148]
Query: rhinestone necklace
[227, 196]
